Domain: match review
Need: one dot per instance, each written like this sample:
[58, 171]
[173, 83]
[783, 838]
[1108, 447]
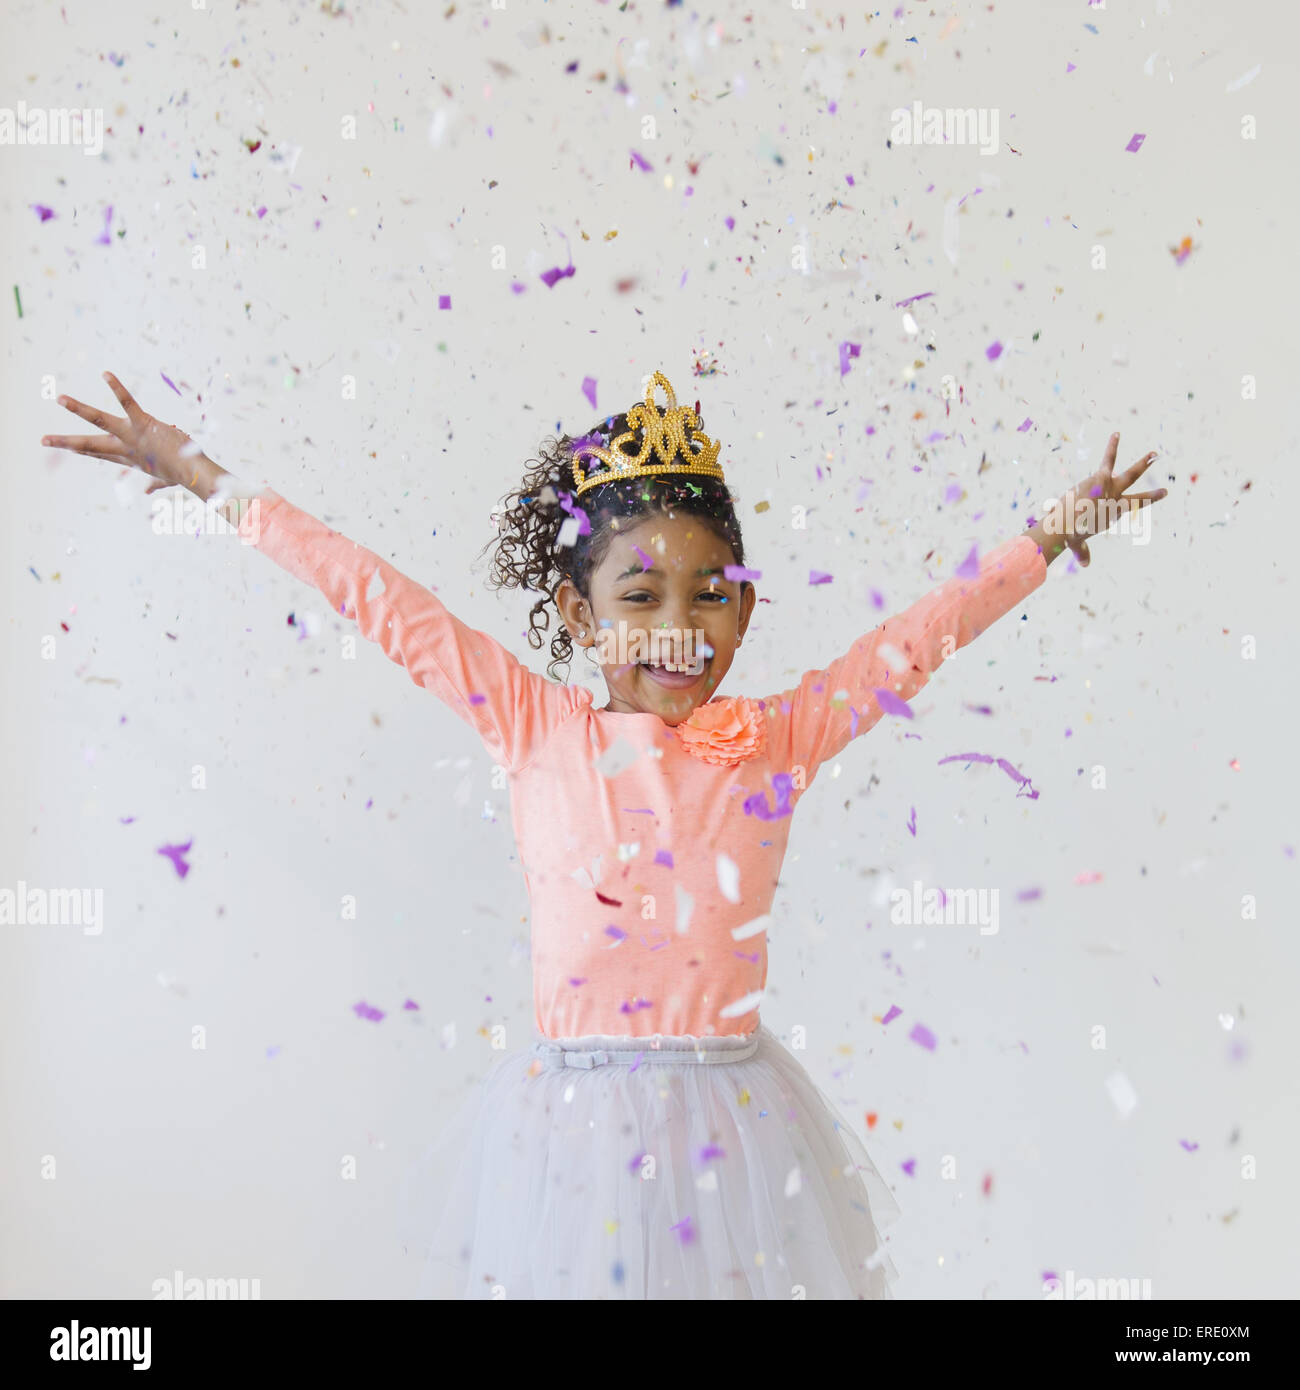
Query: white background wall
[327, 777]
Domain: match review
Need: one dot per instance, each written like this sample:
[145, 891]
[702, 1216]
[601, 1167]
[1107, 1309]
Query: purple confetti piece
[1029, 895]
[444, 301]
[103, 239]
[903, 303]
[685, 1231]
[646, 560]
[922, 1036]
[177, 853]
[970, 566]
[891, 704]
[847, 351]
[711, 1151]
[477, 699]
[911, 824]
[662, 856]
[993, 351]
[617, 935]
[640, 163]
[550, 277]
[1135, 144]
[1027, 423]
[364, 1010]
[570, 506]
[589, 390]
[819, 577]
[411, 1004]
[170, 382]
[893, 1013]
[42, 212]
[1191, 1148]
[909, 1167]
[739, 572]
[1006, 767]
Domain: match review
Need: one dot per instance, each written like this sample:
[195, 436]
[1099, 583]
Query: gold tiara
[666, 434]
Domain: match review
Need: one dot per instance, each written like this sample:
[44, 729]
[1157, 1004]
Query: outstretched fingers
[1131, 475]
[127, 401]
[94, 416]
[100, 446]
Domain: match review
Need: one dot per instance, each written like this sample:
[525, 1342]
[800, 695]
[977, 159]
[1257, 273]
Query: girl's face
[660, 598]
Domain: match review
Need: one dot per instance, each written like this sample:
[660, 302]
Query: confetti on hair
[177, 853]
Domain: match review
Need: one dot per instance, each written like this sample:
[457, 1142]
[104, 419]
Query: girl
[656, 1140]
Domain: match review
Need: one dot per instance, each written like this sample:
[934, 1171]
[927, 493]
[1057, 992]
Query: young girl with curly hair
[656, 1140]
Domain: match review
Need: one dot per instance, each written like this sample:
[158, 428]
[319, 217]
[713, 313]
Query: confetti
[893, 704]
[364, 1010]
[1013, 773]
[177, 853]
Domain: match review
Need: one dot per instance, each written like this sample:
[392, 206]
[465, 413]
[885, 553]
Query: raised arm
[512, 708]
[814, 720]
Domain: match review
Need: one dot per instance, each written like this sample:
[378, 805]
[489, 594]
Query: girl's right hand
[167, 454]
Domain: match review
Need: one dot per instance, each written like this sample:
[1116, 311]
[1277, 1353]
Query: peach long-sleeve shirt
[649, 871]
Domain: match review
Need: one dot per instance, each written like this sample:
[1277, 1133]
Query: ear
[748, 602]
[574, 612]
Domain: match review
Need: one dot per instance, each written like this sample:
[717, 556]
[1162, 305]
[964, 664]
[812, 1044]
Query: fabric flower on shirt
[723, 732]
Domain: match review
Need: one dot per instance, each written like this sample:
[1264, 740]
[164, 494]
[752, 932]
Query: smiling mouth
[676, 675]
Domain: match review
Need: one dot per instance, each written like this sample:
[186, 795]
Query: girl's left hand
[1094, 505]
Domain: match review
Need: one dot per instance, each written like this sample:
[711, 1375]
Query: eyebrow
[637, 570]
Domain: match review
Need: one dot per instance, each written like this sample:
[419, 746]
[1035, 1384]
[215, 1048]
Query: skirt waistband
[600, 1051]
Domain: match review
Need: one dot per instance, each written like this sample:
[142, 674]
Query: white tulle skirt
[611, 1168]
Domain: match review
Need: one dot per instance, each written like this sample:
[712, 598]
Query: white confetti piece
[1122, 1093]
[742, 1006]
[755, 928]
[793, 1183]
[728, 878]
[375, 585]
[685, 903]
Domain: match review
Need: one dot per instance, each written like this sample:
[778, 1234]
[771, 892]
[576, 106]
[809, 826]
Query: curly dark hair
[527, 555]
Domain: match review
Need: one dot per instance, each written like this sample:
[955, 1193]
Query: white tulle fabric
[663, 1180]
